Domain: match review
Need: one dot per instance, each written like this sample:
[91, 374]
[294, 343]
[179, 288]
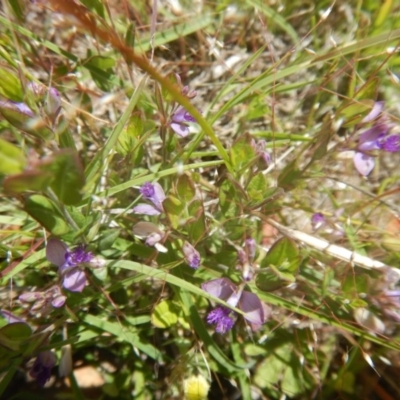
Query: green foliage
[12, 159]
[280, 106]
[44, 211]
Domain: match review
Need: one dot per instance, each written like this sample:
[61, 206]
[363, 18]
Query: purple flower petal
[159, 195]
[391, 144]
[180, 115]
[253, 308]
[220, 316]
[74, 280]
[376, 110]
[56, 251]
[180, 129]
[58, 301]
[363, 163]
[78, 256]
[242, 256]
[41, 369]
[192, 256]
[147, 190]
[146, 209]
[369, 140]
[154, 193]
[317, 221]
[154, 238]
[19, 107]
[30, 297]
[235, 297]
[250, 246]
[222, 288]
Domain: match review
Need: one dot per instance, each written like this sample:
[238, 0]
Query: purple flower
[42, 301]
[375, 112]
[260, 149]
[375, 138]
[152, 233]
[179, 121]
[317, 221]
[192, 256]
[41, 369]
[21, 108]
[255, 312]
[185, 89]
[69, 262]
[220, 316]
[154, 193]
[180, 117]
[391, 144]
[363, 163]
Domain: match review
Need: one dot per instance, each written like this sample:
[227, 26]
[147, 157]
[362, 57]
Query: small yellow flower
[196, 388]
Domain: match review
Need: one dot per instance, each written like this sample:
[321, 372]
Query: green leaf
[18, 8]
[12, 160]
[130, 140]
[124, 333]
[16, 331]
[228, 199]
[322, 140]
[268, 281]
[95, 5]
[197, 225]
[242, 152]
[185, 188]
[14, 334]
[257, 187]
[354, 112]
[21, 117]
[31, 180]
[100, 68]
[289, 176]
[284, 249]
[130, 35]
[369, 89]
[108, 238]
[283, 368]
[44, 211]
[174, 208]
[68, 176]
[165, 314]
[10, 85]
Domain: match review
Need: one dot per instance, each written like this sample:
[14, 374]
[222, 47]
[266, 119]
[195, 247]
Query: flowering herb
[155, 193]
[375, 138]
[221, 317]
[255, 312]
[180, 117]
[152, 234]
[179, 122]
[192, 256]
[260, 149]
[317, 221]
[69, 262]
[41, 369]
[43, 301]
